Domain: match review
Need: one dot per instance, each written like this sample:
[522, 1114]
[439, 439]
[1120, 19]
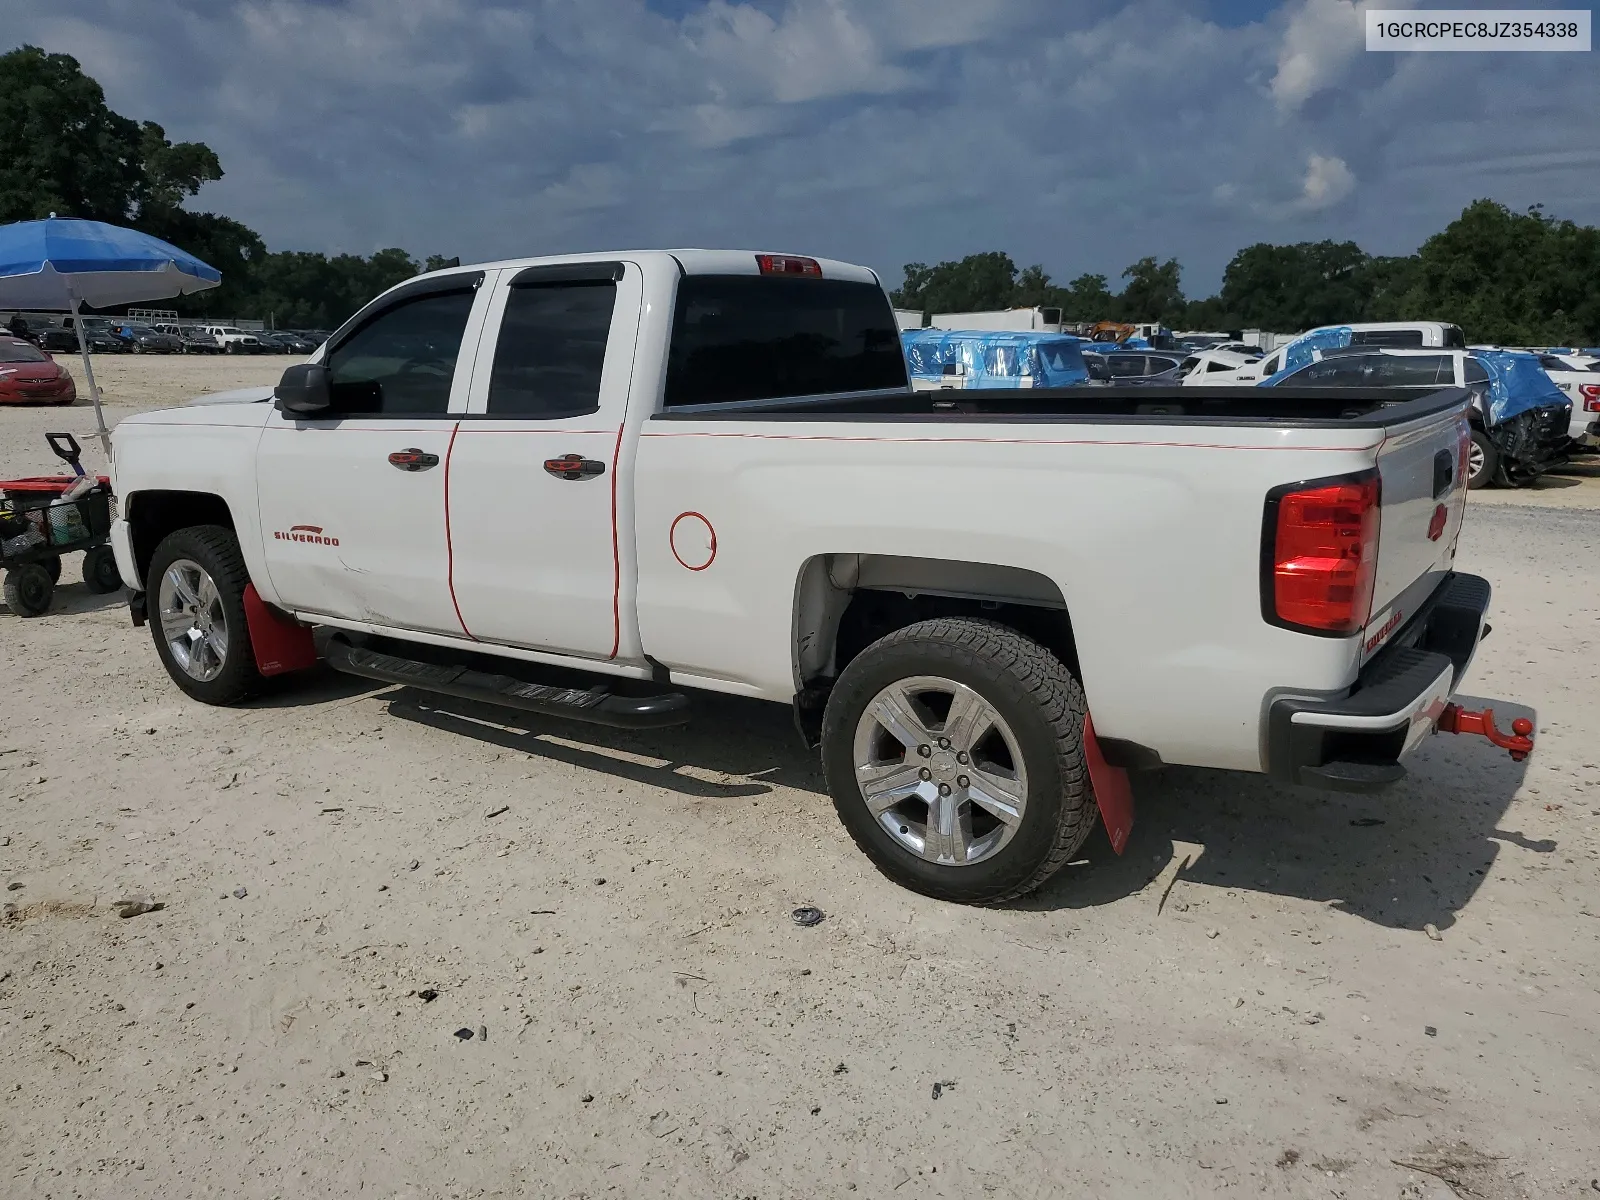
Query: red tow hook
[1519, 742]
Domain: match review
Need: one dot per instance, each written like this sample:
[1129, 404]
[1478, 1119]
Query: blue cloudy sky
[1078, 135]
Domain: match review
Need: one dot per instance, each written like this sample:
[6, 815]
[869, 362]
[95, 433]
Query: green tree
[977, 283]
[1518, 278]
[62, 149]
[1087, 298]
[1299, 286]
[1152, 292]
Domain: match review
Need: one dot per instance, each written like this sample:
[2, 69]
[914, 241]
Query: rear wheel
[1483, 460]
[28, 589]
[953, 750]
[195, 592]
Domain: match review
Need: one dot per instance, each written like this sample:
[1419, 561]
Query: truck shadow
[1408, 857]
[1411, 856]
[733, 748]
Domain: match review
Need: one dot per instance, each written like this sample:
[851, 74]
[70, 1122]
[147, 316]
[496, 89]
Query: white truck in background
[1009, 320]
[591, 486]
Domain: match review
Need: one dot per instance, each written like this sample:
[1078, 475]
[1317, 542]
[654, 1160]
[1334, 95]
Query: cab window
[402, 361]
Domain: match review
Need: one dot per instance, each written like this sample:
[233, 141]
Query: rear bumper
[1355, 742]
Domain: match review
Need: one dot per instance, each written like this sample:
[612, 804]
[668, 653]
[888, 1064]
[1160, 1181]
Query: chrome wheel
[1475, 459]
[193, 623]
[940, 770]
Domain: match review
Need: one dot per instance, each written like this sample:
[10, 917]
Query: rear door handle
[413, 459]
[574, 466]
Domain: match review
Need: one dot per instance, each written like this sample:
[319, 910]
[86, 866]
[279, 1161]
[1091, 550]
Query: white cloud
[1321, 38]
[1327, 182]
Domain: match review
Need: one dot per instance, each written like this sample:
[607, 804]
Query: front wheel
[195, 591]
[953, 750]
[1483, 460]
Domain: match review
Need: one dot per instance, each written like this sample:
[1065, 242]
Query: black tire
[100, 573]
[1485, 475]
[1043, 705]
[216, 550]
[28, 589]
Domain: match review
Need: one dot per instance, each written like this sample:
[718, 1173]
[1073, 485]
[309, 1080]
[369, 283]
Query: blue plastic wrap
[1517, 383]
[1330, 337]
[996, 360]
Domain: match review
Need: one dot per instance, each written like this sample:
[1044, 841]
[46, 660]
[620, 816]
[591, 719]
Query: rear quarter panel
[1151, 533]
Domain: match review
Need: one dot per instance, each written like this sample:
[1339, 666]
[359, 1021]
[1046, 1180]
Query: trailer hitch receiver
[1518, 743]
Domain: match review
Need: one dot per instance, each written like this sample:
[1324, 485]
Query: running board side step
[597, 706]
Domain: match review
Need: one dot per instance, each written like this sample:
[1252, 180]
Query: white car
[1512, 452]
[1216, 368]
[591, 486]
[1578, 375]
[234, 341]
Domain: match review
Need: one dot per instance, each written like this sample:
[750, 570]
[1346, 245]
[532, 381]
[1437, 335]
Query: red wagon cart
[50, 515]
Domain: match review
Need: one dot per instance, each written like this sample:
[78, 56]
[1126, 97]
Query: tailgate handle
[1444, 472]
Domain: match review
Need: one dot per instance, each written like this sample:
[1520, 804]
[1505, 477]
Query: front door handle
[413, 459]
[574, 466]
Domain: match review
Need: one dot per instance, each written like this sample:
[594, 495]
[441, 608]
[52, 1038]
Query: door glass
[403, 360]
[551, 348]
[1475, 372]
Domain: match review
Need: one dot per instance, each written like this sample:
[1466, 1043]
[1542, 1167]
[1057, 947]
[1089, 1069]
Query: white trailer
[1015, 320]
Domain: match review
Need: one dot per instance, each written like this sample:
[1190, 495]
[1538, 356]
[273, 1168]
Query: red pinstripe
[449, 547]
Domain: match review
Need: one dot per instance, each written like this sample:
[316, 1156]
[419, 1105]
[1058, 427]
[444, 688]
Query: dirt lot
[1282, 1025]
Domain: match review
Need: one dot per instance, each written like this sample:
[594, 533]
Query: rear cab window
[756, 337]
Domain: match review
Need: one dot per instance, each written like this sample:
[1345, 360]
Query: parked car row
[112, 335]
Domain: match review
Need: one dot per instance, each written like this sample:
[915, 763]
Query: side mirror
[304, 390]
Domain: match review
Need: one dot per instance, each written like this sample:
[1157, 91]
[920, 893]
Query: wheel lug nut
[924, 750]
[944, 743]
[944, 789]
[961, 781]
[925, 773]
[961, 758]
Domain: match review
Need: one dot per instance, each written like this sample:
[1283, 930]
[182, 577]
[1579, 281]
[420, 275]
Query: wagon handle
[67, 449]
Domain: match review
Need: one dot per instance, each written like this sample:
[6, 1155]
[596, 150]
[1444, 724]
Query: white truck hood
[249, 395]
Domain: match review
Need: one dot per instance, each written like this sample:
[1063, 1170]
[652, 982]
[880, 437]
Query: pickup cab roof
[688, 261]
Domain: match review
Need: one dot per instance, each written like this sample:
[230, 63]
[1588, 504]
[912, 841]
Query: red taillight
[788, 264]
[1591, 396]
[1322, 553]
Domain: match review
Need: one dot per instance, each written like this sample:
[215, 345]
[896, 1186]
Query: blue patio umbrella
[58, 264]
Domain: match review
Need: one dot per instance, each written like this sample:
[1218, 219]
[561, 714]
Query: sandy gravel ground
[342, 911]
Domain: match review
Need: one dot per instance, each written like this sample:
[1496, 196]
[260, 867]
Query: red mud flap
[1455, 719]
[280, 645]
[1111, 790]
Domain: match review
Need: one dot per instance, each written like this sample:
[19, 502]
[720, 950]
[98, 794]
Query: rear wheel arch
[845, 602]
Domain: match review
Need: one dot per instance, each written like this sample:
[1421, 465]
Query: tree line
[1517, 278]
[1504, 277]
[64, 151]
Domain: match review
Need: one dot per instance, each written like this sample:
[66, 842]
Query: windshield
[140, 330]
[21, 352]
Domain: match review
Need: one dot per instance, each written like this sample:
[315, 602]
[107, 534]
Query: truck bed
[1341, 408]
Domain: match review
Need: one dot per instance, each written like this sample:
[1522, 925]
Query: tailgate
[1422, 466]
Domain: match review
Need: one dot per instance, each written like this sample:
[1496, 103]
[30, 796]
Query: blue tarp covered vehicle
[989, 359]
[1519, 417]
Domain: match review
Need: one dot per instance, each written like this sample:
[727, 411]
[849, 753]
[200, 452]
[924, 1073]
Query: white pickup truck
[589, 486]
